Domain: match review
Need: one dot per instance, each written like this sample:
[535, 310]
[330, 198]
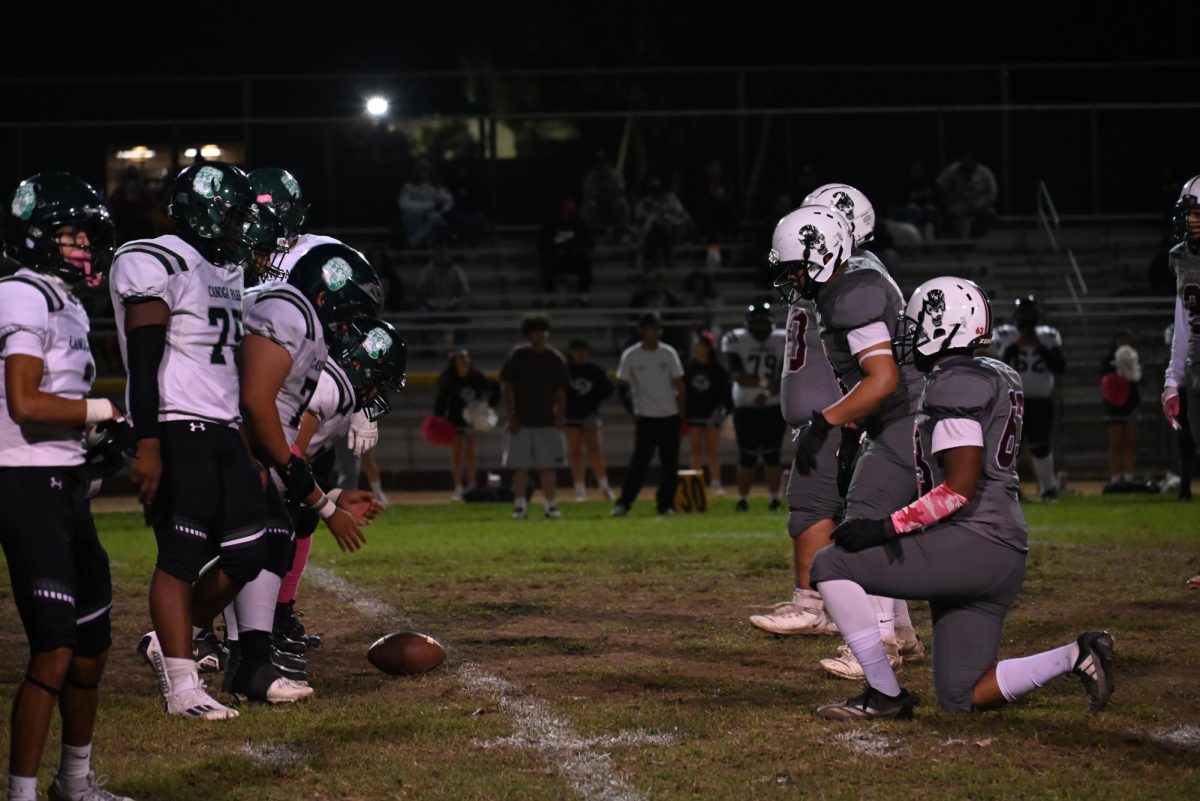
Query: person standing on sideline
[462, 388]
[707, 385]
[534, 378]
[1120, 374]
[589, 387]
[652, 372]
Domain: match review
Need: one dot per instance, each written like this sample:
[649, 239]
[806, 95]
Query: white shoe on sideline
[198, 704]
[94, 791]
[789, 618]
[580, 494]
[845, 665]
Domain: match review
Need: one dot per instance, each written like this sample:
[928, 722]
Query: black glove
[847, 450]
[297, 478]
[860, 533]
[810, 440]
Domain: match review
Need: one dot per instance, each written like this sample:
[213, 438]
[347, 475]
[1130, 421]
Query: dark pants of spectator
[552, 268]
[651, 433]
[1187, 448]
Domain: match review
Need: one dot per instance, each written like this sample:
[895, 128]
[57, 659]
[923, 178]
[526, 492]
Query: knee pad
[1040, 450]
[94, 633]
[747, 458]
[242, 557]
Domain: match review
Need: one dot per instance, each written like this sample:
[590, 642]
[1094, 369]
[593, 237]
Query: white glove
[363, 434]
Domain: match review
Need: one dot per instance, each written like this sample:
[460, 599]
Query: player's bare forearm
[264, 366]
[28, 404]
[308, 427]
[881, 376]
[680, 393]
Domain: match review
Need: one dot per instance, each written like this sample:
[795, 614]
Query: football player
[857, 302]
[962, 544]
[755, 358]
[59, 233]
[178, 305]
[290, 328]
[1183, 371]
[1035, 352]
[808, 384]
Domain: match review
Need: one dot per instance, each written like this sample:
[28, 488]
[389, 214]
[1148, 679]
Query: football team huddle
[250, 347]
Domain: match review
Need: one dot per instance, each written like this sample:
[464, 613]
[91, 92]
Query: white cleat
[845, 665]
[789, 618]
[287, 691]
[92, 791]
[580, 494]
[912, 649]
[553, 513]
[151, 651]
[196, 703]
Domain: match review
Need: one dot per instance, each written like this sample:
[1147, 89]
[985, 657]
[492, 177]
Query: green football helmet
[279, 191]
[375, 361]
[216, 203]
[41, 206]
[341, 285]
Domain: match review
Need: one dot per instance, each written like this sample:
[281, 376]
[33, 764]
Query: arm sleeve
[279, 321]
[145, 346]
[24, 320]
[139, 276]
[1179, 338]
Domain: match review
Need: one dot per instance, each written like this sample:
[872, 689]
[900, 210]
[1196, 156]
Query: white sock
[231, 628]
[254, 606]
[602, 482]
[885, 617]
[74, 765]
[181, 674]
[1044, 467]
[1017, 677]
[519, 503]
[849, 605]
[22, 788]
[903, 619]
[458, 488]
[867, 647]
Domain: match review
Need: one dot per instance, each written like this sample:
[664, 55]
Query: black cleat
[231, 665]
[774, 505]
[287, 623]
[1094, 667]
[871, 705]
[209, 652]
[264, 682]
[291, 666]
[742, 505]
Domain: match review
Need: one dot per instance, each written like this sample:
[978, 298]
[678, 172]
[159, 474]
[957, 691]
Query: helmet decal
[377, 343]
[335, 273]
[845, 204]
[290, 184]
[24, 200]
[813, 239]
[935, 306]
[207, 182]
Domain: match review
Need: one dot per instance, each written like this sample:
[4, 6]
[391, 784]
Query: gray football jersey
[967, 399]
[808, 382]
[865, 295]
[1187, 288]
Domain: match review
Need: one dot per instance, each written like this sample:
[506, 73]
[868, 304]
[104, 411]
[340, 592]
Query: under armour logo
[194, 427]
[55, 483]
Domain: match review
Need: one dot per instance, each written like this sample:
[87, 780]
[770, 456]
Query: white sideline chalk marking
[590, 773]
[1179, 737]
[625, 738]
[867, 744]
[274, 755]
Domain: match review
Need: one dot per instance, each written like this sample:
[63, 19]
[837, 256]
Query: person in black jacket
[708, 403]
[589, 387]
[463, 391]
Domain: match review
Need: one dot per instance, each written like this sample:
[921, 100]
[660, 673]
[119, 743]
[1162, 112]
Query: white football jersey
[304, 243]
[1036, 377]
[282, 314]
[808, 383]
[332, 404]
[763, 359]
[40, 317]
[197, 379]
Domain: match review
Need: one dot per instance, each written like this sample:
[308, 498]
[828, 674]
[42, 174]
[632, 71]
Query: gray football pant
[969, 582]
[885, 476]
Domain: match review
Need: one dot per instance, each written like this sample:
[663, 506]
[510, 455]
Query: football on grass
[406, 653]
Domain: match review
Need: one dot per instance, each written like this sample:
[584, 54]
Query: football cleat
[520, 513]
[287, 624]
[264, 682]
[743, 505]
[209, 652]
[553, 513]
[845, 665]
[716, 489]
[1050, 495]
[871, 705]
[1094, 667]
[92, 791]
[912, 648]
[789, 618]
[233, 661]
[580, 494]
[198, 704]
[619, 511]
[774, 505]
[151, 651]
[290, 665]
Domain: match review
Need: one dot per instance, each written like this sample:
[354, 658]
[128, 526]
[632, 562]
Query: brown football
[406, 653]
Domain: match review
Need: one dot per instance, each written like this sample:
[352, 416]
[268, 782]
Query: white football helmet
[1189, 201]
[812, 240]
[944, 314]
[852, 203]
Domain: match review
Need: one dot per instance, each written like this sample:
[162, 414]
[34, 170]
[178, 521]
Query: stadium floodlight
[377, 106]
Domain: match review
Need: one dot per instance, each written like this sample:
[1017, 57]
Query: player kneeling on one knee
[962, 544]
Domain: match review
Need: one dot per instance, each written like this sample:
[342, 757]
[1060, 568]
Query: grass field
[597, 658]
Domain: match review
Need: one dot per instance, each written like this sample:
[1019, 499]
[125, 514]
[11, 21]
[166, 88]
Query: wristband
[334, 494]
[98, 410]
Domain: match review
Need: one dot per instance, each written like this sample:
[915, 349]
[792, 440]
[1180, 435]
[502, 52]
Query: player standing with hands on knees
[59, 233]
[962, 544]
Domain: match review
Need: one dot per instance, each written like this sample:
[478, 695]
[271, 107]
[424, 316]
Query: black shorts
[759, 431]
[59, 570]
[1038, 424]
[210, 501]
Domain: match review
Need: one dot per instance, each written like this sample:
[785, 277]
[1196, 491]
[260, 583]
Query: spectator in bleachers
[468, 216]
[699, 288]
[534, 378]
[389, 276]
[918, 206]
[589, 387]
[968, 194]
[1120, 374]
[605, 205]
[424, 204]
[463, 391]
[131, 204]
[715, 211]
[708, 400]
[442, 288]
[662, 223]
[565, 246]
[652, 376]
